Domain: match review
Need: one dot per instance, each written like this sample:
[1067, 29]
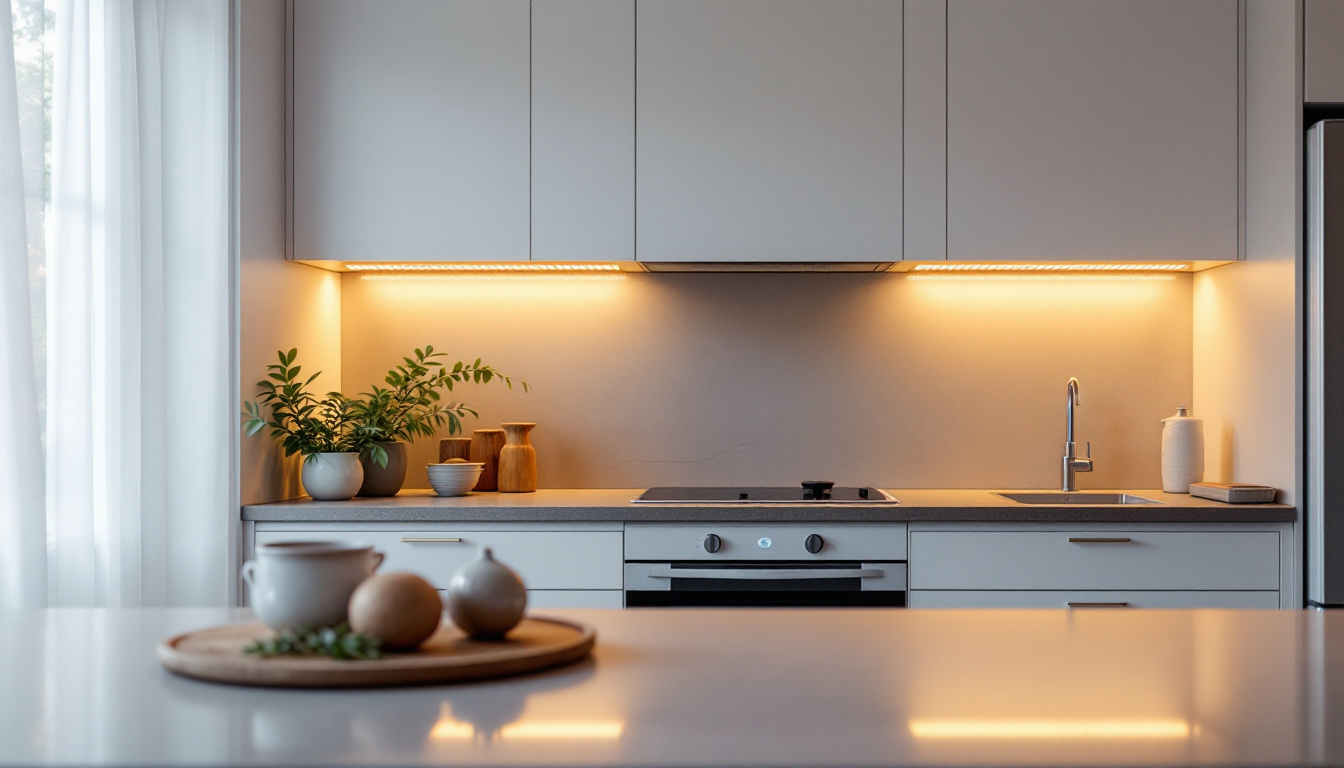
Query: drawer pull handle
[1098, 605]
[1099, 540]
[432, 541]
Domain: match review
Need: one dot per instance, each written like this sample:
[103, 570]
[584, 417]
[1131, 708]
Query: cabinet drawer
[575, 598]
[953, 598]
[1099, 560]
[545, 559]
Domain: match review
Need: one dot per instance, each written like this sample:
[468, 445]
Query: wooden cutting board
[449, 656]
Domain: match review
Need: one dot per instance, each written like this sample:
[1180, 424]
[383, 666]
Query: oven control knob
[814, 543]
[712, 543]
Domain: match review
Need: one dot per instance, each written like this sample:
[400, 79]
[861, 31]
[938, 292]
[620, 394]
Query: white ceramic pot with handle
[297, 584]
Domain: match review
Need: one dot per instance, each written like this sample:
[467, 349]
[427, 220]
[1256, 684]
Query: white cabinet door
[411, 124]
[768, 131]
[583, 130]
[1094, 560]
[1092, 131]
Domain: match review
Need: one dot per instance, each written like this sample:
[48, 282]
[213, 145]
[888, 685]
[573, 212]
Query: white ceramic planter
[333, 476]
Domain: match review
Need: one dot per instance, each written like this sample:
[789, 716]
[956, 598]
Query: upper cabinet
[758, 131]
[1092, 131]
[583, 130]
[411, 130]
[768, 131]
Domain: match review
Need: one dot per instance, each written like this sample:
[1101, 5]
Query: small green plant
[411, 406]
[303, 422]
[337, 642]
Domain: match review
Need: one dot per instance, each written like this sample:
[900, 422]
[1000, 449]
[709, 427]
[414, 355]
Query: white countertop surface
[720, 687]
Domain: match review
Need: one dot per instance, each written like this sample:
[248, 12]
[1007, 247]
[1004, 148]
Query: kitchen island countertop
[615, 505]
[720, 687]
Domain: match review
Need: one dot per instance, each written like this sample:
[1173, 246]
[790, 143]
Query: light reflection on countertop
[447, 728]
[721, 687]
[1094, 728]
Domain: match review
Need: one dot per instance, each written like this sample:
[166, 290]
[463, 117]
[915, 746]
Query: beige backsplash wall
[883, 379]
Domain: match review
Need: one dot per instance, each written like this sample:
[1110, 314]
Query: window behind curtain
[34, 37]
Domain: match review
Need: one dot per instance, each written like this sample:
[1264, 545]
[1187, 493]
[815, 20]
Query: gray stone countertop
[615, 505]
[736, 688]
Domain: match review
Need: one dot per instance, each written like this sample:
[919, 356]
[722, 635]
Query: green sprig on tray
[336, 642]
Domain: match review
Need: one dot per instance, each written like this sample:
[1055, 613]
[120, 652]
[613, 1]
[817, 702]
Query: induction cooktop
[811, 492]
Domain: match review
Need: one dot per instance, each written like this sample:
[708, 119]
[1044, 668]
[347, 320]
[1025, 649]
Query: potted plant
[326, 431]
[411, 406]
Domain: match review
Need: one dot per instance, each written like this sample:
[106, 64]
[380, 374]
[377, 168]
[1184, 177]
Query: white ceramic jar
[1182, 451]
[333, 476]
[298, 584]
[486, 598]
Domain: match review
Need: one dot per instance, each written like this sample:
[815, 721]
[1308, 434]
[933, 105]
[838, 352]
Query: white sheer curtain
[23, 536]
[139, 416]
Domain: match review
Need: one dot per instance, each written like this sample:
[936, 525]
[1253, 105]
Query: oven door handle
[765, 574]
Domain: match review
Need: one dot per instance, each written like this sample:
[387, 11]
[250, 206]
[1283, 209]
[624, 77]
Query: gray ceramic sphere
[486, 598]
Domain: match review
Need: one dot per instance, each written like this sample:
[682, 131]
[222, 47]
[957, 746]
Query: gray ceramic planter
[384, 481]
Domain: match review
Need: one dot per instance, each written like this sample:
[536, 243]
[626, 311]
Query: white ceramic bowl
[457, 470]
[454, 479]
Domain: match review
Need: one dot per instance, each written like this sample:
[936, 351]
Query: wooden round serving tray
[449, 656]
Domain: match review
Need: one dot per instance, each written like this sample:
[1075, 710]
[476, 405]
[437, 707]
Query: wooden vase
[485, 447]
[517, 459]
[454, 448]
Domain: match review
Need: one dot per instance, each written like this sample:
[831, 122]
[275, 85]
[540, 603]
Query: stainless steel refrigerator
[1325, 364]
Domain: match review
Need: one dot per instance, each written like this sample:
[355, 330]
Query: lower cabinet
[951, 565]
[561, 568]
[1100, 566]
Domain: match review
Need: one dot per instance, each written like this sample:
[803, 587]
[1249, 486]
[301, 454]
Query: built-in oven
[779, 564]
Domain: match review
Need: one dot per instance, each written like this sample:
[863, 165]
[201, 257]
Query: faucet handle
[1084, 465]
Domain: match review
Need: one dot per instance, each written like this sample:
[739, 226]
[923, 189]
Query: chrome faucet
[1073, 464]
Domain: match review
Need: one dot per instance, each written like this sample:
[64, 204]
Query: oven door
[757, 583]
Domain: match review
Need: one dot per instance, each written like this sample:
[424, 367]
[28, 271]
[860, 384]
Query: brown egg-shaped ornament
[401, 610]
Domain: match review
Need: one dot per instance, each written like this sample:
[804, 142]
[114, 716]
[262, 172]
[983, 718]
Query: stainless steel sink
[1075, 497]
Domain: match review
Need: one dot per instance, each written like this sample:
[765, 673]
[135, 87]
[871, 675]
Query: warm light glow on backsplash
[585, 341]
[987, 296]
[509, 267]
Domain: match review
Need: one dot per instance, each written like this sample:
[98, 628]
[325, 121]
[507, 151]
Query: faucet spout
[1072, 399]
[1071, 463]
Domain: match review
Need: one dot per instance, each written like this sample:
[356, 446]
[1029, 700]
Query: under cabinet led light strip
[485, 267]
[1015, 267]
[1044, 277]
